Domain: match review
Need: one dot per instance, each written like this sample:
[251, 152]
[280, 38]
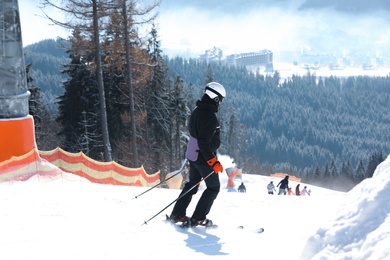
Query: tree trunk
[99, 75]
[128, 79]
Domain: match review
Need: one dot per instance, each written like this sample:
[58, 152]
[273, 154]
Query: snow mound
[362, 226]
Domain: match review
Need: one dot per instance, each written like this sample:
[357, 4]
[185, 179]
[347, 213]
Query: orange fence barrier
[99, 172]
[54, 163]
[290, 178]
[22, 168]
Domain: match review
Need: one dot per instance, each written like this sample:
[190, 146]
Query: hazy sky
[275, 25]
[34, 26]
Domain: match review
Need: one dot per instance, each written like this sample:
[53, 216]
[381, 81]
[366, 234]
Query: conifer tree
[157, 100]
[359, 174]
[35, 105]
[373, 161]
[80, 96]
[209, 74]
[179, 113]
[346, 170]
[326, 174]
[318, 175]
[87, 17]
[334, 174]
[234, 135]
[39, 112]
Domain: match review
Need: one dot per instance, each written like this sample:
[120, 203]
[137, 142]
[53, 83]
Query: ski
[258, 230]
[180, 224]
[214, 226]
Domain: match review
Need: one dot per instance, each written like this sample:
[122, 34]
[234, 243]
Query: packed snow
[70, 218]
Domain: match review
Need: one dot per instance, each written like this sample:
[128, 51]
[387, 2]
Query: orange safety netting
[99, 172]
[21, 168]
[290, 178]
[54, 163]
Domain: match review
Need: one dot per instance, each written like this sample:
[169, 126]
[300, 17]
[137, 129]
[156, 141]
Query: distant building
[214, 54]
[249, 60]
[260, 58]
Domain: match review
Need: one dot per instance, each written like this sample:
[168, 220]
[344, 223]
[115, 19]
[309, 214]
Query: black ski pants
[197, 172]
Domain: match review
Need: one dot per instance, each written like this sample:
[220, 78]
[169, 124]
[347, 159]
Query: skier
[290, 192]
[304, 192]
[271, 188]
[283, 186]
[241, 188]
[201, 153]
[297, 191]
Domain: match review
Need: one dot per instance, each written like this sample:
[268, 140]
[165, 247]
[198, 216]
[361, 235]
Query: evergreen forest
[329, 131]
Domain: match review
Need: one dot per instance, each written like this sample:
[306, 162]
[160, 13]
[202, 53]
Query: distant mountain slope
[47, 58]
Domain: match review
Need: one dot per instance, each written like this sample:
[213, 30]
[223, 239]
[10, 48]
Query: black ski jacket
[204, 126]
[283, 184]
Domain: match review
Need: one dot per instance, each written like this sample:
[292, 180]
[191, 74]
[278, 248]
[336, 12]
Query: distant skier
[304, 192]
[290, 192]
[241, 188]
[297, 190]
[283, 186]
[271, 188]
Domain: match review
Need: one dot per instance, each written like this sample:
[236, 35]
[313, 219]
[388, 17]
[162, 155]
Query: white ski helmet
[215, 91]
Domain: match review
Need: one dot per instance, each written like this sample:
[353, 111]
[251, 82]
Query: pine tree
[318, 175]
[158, 100]
[35, 105]
[234, 134]
[374, 160]
[326, 173]
[209, 74]
[85, 17]
[80, 96]
[346, 170]
[334, 175]
[42, 119]
[359, 172]
[179, 114]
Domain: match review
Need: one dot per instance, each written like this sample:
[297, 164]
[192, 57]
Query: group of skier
[285, 189]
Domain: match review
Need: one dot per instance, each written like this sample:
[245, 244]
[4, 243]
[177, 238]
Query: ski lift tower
[17, 135]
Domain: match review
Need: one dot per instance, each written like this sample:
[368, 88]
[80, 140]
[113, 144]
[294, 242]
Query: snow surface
[71, 218]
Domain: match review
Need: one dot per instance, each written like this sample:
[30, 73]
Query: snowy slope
[70, 218]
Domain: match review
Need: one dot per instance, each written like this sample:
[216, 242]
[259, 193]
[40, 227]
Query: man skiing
[201, 153]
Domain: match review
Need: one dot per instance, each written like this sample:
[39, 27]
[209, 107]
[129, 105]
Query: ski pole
[146, 222]
[178, 171]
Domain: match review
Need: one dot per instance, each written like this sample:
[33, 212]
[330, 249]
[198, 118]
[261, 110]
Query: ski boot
[189, 222]
[173, 219]
[206, 223]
